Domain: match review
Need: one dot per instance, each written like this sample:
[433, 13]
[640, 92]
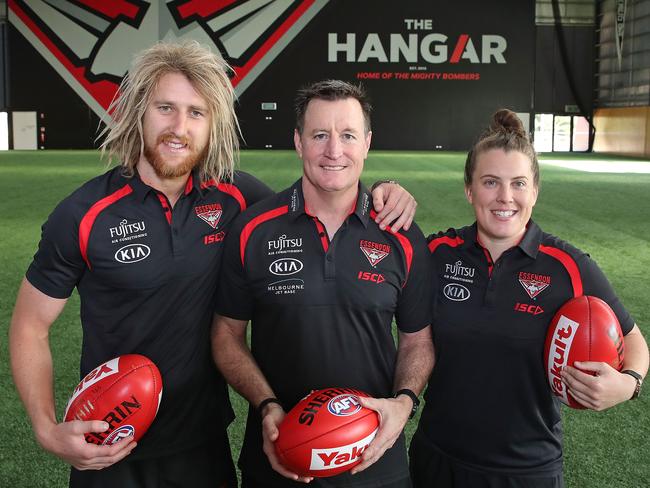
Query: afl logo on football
[344, 405]
[285, 266]
[132, 253]
[456, 292]
[118, 434]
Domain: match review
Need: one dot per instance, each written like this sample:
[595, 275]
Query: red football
[125, 392]
[584, 329]
[326, 433]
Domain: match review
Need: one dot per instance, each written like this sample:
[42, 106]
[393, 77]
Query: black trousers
[208, 466]
[432, 469]
[248, 482]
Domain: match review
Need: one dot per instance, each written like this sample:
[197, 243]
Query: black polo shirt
[488, 403]
[321, 310]
[147, 276]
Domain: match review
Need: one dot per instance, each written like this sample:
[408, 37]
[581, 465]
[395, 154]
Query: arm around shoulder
[394, 205]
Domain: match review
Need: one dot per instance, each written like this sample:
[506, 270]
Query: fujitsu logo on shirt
[457, 269]
[458, 272]
[127, 231]
[284, 244]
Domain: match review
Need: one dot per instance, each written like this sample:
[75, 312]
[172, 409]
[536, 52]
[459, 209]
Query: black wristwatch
[639, 382]
[411, 394]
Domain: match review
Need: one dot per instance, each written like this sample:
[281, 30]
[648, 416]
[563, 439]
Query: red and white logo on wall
[91, 43]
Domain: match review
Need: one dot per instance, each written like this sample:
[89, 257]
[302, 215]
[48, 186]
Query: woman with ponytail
[490, 419]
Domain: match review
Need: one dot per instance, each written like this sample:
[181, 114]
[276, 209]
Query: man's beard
[165, 170]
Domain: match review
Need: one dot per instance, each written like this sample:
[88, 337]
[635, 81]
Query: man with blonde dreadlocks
[142, 244]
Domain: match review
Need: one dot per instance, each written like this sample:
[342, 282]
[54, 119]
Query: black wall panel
[36, 86]
[408, 114]
[419, 114]
[552, 92]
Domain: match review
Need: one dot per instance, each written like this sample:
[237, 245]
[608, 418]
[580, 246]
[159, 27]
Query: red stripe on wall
[460, 47]
[569, 264]
[202, 8]
[114, 8]
[250, 227]
[102, 91]
[241, 73]
[86, 224]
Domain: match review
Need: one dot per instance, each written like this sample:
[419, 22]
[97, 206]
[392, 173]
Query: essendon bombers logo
[533, 283]
[210, 214]
[374, 251]
[91, 43]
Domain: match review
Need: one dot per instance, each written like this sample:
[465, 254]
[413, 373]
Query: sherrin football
[326, 433]
[125, 392]
[584, 329]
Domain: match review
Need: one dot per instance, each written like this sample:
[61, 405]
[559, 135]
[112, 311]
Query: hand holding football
[584, 329]
[125, 392]
[326, 433]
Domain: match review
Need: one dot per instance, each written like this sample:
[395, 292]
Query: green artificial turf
[604, 214]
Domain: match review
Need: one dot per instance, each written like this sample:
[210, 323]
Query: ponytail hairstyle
[505, 132]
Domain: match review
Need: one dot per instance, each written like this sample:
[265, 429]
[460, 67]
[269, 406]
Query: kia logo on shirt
[285, 266]
[132, 253]
[456, 292]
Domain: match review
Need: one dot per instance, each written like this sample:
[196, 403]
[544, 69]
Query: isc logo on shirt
[336, 457]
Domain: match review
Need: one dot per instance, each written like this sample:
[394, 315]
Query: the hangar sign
[433, 48]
